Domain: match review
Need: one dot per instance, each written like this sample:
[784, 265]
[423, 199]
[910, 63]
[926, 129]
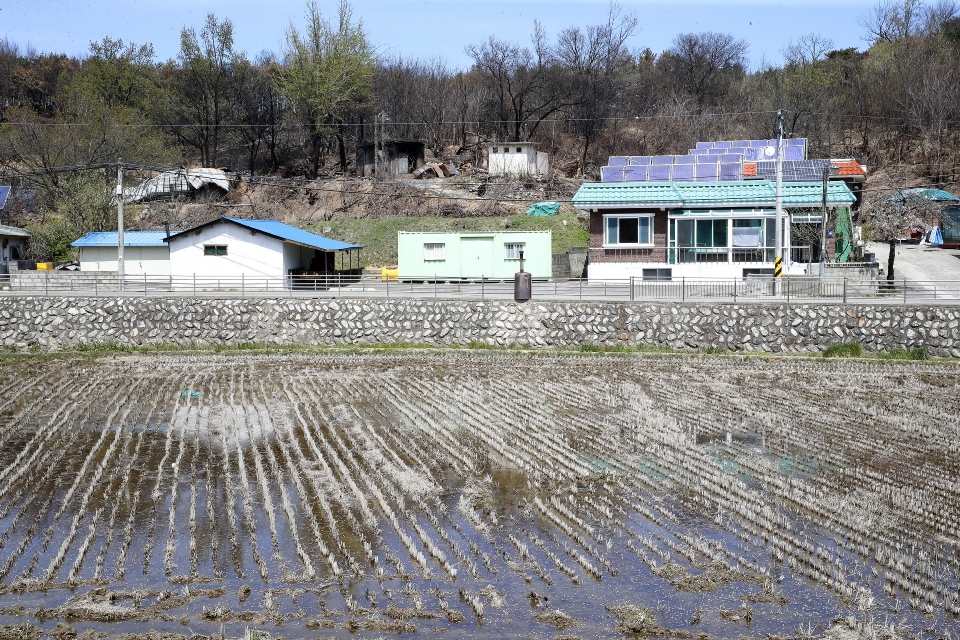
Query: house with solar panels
[234, 247]
[710, 213]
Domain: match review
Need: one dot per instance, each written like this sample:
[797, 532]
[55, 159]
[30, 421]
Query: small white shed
[144, 252]
[516, 158]
[234, 247]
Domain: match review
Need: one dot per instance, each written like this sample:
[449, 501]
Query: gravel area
[920, 262]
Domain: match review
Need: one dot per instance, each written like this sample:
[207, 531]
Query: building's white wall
[527, 161]
[248, 253]
[694, 271]
[138, 261]
[543, 162]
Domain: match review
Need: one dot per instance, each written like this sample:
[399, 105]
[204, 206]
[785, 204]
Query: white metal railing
[752, 288]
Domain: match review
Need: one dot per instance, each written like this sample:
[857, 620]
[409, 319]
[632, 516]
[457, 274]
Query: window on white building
[434, 251]
[511, 250]
[214, 249]
[629, 230]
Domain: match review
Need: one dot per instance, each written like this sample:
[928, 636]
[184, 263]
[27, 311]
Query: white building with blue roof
[234, 247]
[144, 252]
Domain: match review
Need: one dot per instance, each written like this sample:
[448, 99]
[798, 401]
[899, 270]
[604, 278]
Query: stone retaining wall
[52, 323]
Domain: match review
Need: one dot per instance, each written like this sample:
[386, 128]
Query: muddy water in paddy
[476, 495]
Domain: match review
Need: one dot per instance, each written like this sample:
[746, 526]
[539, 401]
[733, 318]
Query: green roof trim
[686, 195]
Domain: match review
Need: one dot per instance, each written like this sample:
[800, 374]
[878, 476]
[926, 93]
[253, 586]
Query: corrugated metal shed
[177, 182]
[593, 195]
[130, 239]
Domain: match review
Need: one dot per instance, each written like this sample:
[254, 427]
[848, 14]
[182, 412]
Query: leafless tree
[890, 219]
[703, 64]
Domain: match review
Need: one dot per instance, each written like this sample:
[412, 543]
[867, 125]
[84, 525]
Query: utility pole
[120, 222]
[778, 255]
[823, 223]
[376, 151]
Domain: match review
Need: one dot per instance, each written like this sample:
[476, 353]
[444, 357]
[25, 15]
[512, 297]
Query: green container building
[474, 255]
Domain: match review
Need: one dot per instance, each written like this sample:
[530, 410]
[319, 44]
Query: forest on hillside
[582, 94]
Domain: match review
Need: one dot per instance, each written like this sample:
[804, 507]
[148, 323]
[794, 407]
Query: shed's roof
[130, 239]
[281, 231]
[933, 194]
[6, 230]
[749, 193]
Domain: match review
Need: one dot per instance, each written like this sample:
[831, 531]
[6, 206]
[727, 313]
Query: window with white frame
[628, 230]
[511, 250]
[434, 251]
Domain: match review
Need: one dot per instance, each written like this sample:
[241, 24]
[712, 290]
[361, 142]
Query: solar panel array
[712, 162]
[4, 192]
[793, 170]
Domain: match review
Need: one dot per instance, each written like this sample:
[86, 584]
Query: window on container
[628, 230]
[214, 249]
[518, 149]
[434, 251]
[496, 149]
[511, 250]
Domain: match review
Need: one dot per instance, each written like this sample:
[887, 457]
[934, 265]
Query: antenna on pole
[778, 256]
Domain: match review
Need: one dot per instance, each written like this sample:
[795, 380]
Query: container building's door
[476, 257]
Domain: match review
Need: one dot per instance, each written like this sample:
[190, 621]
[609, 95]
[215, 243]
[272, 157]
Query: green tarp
[544, 209]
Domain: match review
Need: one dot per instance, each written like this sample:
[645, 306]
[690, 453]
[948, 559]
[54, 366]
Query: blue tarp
[544, 209]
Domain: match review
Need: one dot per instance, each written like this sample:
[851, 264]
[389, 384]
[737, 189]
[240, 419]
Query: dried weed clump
[638, 621]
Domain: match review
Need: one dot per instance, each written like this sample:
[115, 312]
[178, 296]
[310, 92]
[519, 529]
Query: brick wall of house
[658, 253]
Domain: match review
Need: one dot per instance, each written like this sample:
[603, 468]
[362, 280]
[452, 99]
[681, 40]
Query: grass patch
[917, 353]
[844, 350]
[379, 235]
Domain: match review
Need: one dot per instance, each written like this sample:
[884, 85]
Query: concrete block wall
[58, 322]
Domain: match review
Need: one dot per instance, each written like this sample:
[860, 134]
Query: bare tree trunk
[890, 258]
[343, 153]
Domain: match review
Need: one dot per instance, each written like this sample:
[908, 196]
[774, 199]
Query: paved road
[919, 262]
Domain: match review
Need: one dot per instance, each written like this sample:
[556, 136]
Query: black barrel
[522, 284]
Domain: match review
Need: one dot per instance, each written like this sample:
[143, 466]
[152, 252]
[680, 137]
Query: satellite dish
[770, 152]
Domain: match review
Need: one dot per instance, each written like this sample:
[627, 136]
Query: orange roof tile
[849, 167]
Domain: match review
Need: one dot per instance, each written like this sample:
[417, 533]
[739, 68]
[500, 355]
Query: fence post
[734, 289]
[844, 291]
[243, 285]
[788, 289]
[96, 284]
[581, 287]
[194, 285]
[904, 291]
[339, 285]
[434, 285]
[144, 285]
[46, 284]
[388, 286]
[683, 289]
[481, 287]
[631, 288]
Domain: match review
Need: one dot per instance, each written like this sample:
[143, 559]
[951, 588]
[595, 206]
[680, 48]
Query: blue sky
[428, 28]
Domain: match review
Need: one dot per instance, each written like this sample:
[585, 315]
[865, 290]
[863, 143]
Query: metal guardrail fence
[754, 288]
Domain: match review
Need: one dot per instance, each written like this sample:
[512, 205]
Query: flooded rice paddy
[464, 494]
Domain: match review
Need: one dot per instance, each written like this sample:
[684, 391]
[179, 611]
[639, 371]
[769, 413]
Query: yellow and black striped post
[778, 267]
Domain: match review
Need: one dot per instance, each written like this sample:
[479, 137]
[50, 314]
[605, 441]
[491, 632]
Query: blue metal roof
[283, 231]
[130, 239]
